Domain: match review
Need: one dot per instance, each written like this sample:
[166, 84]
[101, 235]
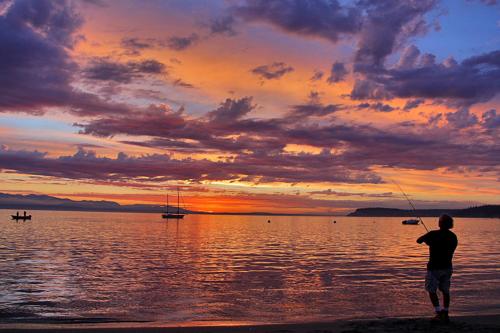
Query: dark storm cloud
[36, 69]
[182, 43]
[325, 19]
[337, 73]
[274, 71]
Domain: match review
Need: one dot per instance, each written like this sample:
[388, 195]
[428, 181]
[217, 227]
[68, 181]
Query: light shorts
[438, 278]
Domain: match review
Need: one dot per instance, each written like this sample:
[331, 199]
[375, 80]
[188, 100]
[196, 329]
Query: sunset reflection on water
[121, 266]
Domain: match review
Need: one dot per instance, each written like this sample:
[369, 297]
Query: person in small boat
[442, 244]
[24, 214]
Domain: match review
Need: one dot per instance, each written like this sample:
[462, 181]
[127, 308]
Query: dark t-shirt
[442, 244]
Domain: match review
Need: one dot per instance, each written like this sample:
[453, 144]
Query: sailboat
[169, 215]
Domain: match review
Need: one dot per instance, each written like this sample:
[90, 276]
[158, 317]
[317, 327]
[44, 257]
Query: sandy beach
[479, 324]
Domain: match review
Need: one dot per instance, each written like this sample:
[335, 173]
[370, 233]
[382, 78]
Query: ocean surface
[99, 267]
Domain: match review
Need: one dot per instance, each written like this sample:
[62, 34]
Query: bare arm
[422, 239]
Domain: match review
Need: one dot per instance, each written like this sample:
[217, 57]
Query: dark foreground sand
[472, 324]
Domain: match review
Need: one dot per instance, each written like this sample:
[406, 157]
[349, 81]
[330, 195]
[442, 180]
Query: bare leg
[446, 300]
[434, 299]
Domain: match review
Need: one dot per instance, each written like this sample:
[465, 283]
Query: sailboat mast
[177, 200]
[167, 203]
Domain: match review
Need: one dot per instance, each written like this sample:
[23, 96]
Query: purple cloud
[461, 118]
[387, 23]
[274, 71]
[37, 69]
[413, 103]
[337, 73]
[223, 26]
[377, 107]
[476, 79]
[134, 46]
[490, 119]
[104, 69]
[252, 141]
[317, 76]
[325, 19]
[182, 43]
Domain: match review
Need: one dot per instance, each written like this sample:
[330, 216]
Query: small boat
[411, 222]
[18, 217]
[169, 215]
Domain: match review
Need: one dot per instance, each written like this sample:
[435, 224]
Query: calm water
[126, 266]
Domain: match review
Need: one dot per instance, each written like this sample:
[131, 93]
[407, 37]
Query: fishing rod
[411, 204]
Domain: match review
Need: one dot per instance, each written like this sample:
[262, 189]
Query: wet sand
[479, 324]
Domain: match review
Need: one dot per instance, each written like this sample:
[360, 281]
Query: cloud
[409, 57]
[461, 118]
[86, 165]
[314, 108]
[231, 110]
[183, 84]
[413, 103]
[105, 69]
[368, 89]
[331, 192]
[37, 69]
[274, 71]
[134, 46]
[325, 19]
[156, 120]
[182, 43]
[476, 79]
[253, 143]
[337, 73]
[387, 24]
[490, 119]
[223, 26]
[317, 76]
[377, 107]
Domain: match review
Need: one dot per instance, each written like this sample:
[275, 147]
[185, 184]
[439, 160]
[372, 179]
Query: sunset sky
[277, 106]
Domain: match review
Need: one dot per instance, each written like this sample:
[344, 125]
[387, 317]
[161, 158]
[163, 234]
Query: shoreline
[459, 324]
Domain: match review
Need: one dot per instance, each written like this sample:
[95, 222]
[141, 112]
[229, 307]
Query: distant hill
[46, 202]
[480, 211]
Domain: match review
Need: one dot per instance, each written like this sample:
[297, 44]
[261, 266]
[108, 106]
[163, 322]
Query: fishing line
[411, 204]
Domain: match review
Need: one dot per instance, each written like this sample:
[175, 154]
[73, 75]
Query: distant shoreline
[65, 209]
[70, 209]
[485, 211]
[17, 202]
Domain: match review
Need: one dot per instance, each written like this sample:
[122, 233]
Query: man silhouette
[442, 244]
